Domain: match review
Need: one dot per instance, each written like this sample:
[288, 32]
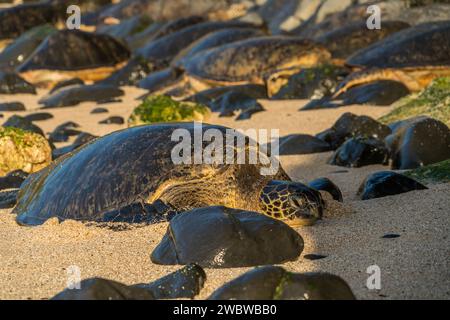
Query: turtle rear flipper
[414, 78]
[8, 199]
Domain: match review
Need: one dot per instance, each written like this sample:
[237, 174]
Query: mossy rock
[434, 101]
[22, 150]
[435, 173]
[156, 109]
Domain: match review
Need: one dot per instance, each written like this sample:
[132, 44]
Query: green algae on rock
[22, 150]
[435, 173]
[156, 109]
[434, 101]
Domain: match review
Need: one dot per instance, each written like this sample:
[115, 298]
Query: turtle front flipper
[139, 212]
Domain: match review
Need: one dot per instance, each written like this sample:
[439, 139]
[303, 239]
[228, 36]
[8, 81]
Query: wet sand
[34, 261]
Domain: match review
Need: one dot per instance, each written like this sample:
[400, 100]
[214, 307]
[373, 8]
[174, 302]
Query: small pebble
[40, 116]
[314, 256]
[99, 110]
[113, 120]
[390, 236]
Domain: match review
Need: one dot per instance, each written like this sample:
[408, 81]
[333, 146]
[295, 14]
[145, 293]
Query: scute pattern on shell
[119, 169]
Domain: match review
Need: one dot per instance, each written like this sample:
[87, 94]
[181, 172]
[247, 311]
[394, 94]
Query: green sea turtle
[163, 50]
[167, 79]
[159, 29]
[344, 41]
[215, 39]
[414, 57]
[398, 10]
[16, 20]
[126, 28]
[69, 54]
[259, 60]
[167, 10]
[117, 178]
[19, 50]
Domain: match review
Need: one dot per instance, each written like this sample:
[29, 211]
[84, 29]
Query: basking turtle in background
[414, 57]
[165, 10]
[393, 10]
[163, 81]
[159, 29]
[69, 54]
[215, 39]
[16, 20]
[161, 51]
[126, 28]
[116, 178]
[345, 41]
[258, 61]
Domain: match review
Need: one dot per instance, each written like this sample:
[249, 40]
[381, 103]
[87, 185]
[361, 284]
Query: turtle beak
[304, 215]
[301, 218]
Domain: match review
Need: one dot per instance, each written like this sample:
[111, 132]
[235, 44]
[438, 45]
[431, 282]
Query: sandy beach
[34, 260]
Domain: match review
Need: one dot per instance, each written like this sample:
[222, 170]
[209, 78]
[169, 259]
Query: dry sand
[34, 261]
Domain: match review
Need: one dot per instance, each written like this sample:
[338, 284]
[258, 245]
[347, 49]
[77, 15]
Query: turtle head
[292, 202]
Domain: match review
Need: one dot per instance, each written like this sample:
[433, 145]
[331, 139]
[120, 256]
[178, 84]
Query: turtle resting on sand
[132, 175]
[253, 61]
[413, 56]
[71, 54]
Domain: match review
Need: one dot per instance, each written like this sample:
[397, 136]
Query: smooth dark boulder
[325, 184]
[312, 83]
[136, 69]
[103, 289]
[39, 116]
[16, 121]
[12, 106]
[350, 125]
[231, 102]
[184, 283]
[378, 93]
[11, 83]
[12, 180]
[387, 183]
[208, 97]
[219, 237]
[302, 144]
[359, 152]
[62, 132]
[66, 83]
[162, 79]
[82, 139]
[418, 142]
[275, 283]
[75, 94]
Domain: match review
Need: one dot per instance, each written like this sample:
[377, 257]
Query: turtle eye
[296, 201]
